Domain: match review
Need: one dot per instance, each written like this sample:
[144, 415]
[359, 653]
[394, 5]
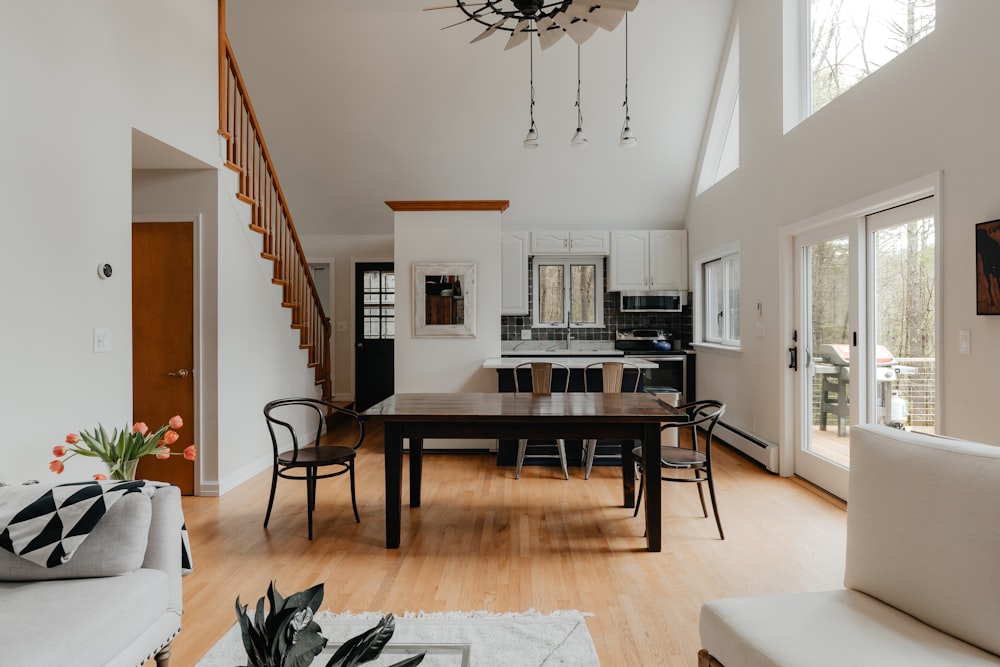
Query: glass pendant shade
[531, 139]
[627, 139]
[578, 140]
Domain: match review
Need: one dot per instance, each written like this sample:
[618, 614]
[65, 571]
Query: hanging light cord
[625, 104]
[531, 62]
[579, 109]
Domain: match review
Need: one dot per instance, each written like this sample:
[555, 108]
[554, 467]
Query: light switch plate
[102, 340]
[964, 342]
[525, 334]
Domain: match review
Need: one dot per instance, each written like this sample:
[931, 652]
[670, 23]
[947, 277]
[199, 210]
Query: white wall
[342, 251]
[77, 77]
[448, 364]
[932, 109]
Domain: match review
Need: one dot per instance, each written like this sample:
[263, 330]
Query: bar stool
[541, 383]
[613, 381]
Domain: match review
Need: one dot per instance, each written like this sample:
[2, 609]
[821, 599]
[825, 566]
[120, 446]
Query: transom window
[569, 292]
[841, 42]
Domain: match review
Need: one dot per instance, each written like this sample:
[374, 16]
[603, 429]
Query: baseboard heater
[765, 453]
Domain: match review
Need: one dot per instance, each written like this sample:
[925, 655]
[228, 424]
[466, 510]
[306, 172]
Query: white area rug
[501, 640]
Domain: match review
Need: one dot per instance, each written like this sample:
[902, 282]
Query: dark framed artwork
[988, 268]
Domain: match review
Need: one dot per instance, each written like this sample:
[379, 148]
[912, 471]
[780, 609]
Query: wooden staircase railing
[247, 155]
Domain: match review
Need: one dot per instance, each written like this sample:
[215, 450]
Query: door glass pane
[827, 269]
[904, 373]
[379, 295]
[583, 294]
[550, 294]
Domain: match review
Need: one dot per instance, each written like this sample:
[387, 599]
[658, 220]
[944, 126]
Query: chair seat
[676, 457]
[322, 455]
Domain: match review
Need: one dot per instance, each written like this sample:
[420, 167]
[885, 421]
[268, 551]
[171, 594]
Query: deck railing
[248, 156]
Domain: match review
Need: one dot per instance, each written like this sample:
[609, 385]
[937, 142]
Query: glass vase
[125, 471]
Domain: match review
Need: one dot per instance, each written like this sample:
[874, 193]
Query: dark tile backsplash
[675, 325]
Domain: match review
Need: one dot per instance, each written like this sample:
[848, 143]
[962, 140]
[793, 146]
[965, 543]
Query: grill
[834, 370]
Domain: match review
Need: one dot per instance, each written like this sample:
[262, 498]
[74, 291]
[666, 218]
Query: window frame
[567, 261]
[728, 255]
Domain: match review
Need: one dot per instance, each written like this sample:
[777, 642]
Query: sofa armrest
[163, 551]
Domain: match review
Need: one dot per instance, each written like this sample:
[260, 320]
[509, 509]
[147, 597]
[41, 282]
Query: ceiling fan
[580, 19]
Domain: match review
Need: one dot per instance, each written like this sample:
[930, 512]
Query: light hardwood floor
[483, 540]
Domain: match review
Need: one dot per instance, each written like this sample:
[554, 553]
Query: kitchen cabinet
[514, 273]
[648, 260]
[570, 243]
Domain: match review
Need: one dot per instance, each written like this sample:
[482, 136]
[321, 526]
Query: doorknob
[182, 373]
[359, 345]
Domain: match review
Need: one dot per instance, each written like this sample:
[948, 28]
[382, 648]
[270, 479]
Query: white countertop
[579, 361]
[559, 348]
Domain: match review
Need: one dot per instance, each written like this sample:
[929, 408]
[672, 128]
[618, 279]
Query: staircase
[247, 155]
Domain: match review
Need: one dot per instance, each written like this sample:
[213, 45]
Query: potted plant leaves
[287, 635]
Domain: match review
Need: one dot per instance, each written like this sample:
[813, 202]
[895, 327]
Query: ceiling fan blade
[596, 14]
[462, 4]
[548, 32]
[580, 31]
[520, 35]
[623, 5]
[489, 31]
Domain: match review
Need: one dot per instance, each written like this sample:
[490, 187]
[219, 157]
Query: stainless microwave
[652, 302]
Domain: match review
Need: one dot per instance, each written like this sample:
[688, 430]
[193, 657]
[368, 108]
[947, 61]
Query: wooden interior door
[163, 341]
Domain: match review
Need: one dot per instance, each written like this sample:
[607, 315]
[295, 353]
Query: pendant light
[627, 138]
[531, 139]
[578, 140]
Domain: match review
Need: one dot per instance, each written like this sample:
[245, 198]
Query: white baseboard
[765, 453]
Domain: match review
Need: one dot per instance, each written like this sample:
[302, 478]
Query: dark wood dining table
[627, 417]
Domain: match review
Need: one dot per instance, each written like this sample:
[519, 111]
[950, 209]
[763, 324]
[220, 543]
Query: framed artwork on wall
[988, 268]
[444, 300]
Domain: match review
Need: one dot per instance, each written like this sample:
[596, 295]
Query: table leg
[416, 469]
[628, 474]
[653, 487]
[393, 483]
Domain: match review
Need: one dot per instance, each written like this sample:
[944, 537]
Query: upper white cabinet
[648, 260]
[570, 243]
[514, 273]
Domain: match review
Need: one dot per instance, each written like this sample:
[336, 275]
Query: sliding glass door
[864, 333]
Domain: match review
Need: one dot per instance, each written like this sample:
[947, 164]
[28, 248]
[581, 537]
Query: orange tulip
[59, 450]
[140, 427]
[176, 422]
[189, 453]
[57, 467]
[100, 476]
[163, 453]
[72, 439]
[170, 437]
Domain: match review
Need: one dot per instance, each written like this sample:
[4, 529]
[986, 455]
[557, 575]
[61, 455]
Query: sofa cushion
[115, 546]
[827, 629]
[922, 529]
[78, 621]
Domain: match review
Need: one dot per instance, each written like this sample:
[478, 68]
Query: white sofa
[922, 582]
[115, 603]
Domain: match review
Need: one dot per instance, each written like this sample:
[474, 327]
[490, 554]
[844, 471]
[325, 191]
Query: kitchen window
[569, 292]
[719, 275]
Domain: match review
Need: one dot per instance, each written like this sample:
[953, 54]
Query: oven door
[669, 376]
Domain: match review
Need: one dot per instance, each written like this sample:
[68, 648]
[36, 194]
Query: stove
[673, 374]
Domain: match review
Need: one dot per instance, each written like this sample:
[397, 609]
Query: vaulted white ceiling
[363, 101]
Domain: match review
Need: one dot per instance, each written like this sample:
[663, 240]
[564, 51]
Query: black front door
[374, 332]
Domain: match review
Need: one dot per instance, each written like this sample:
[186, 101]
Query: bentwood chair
[299, 423]
[616, 377]
[698, 460]
[542, 380]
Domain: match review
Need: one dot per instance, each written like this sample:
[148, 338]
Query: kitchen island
[576, 363]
